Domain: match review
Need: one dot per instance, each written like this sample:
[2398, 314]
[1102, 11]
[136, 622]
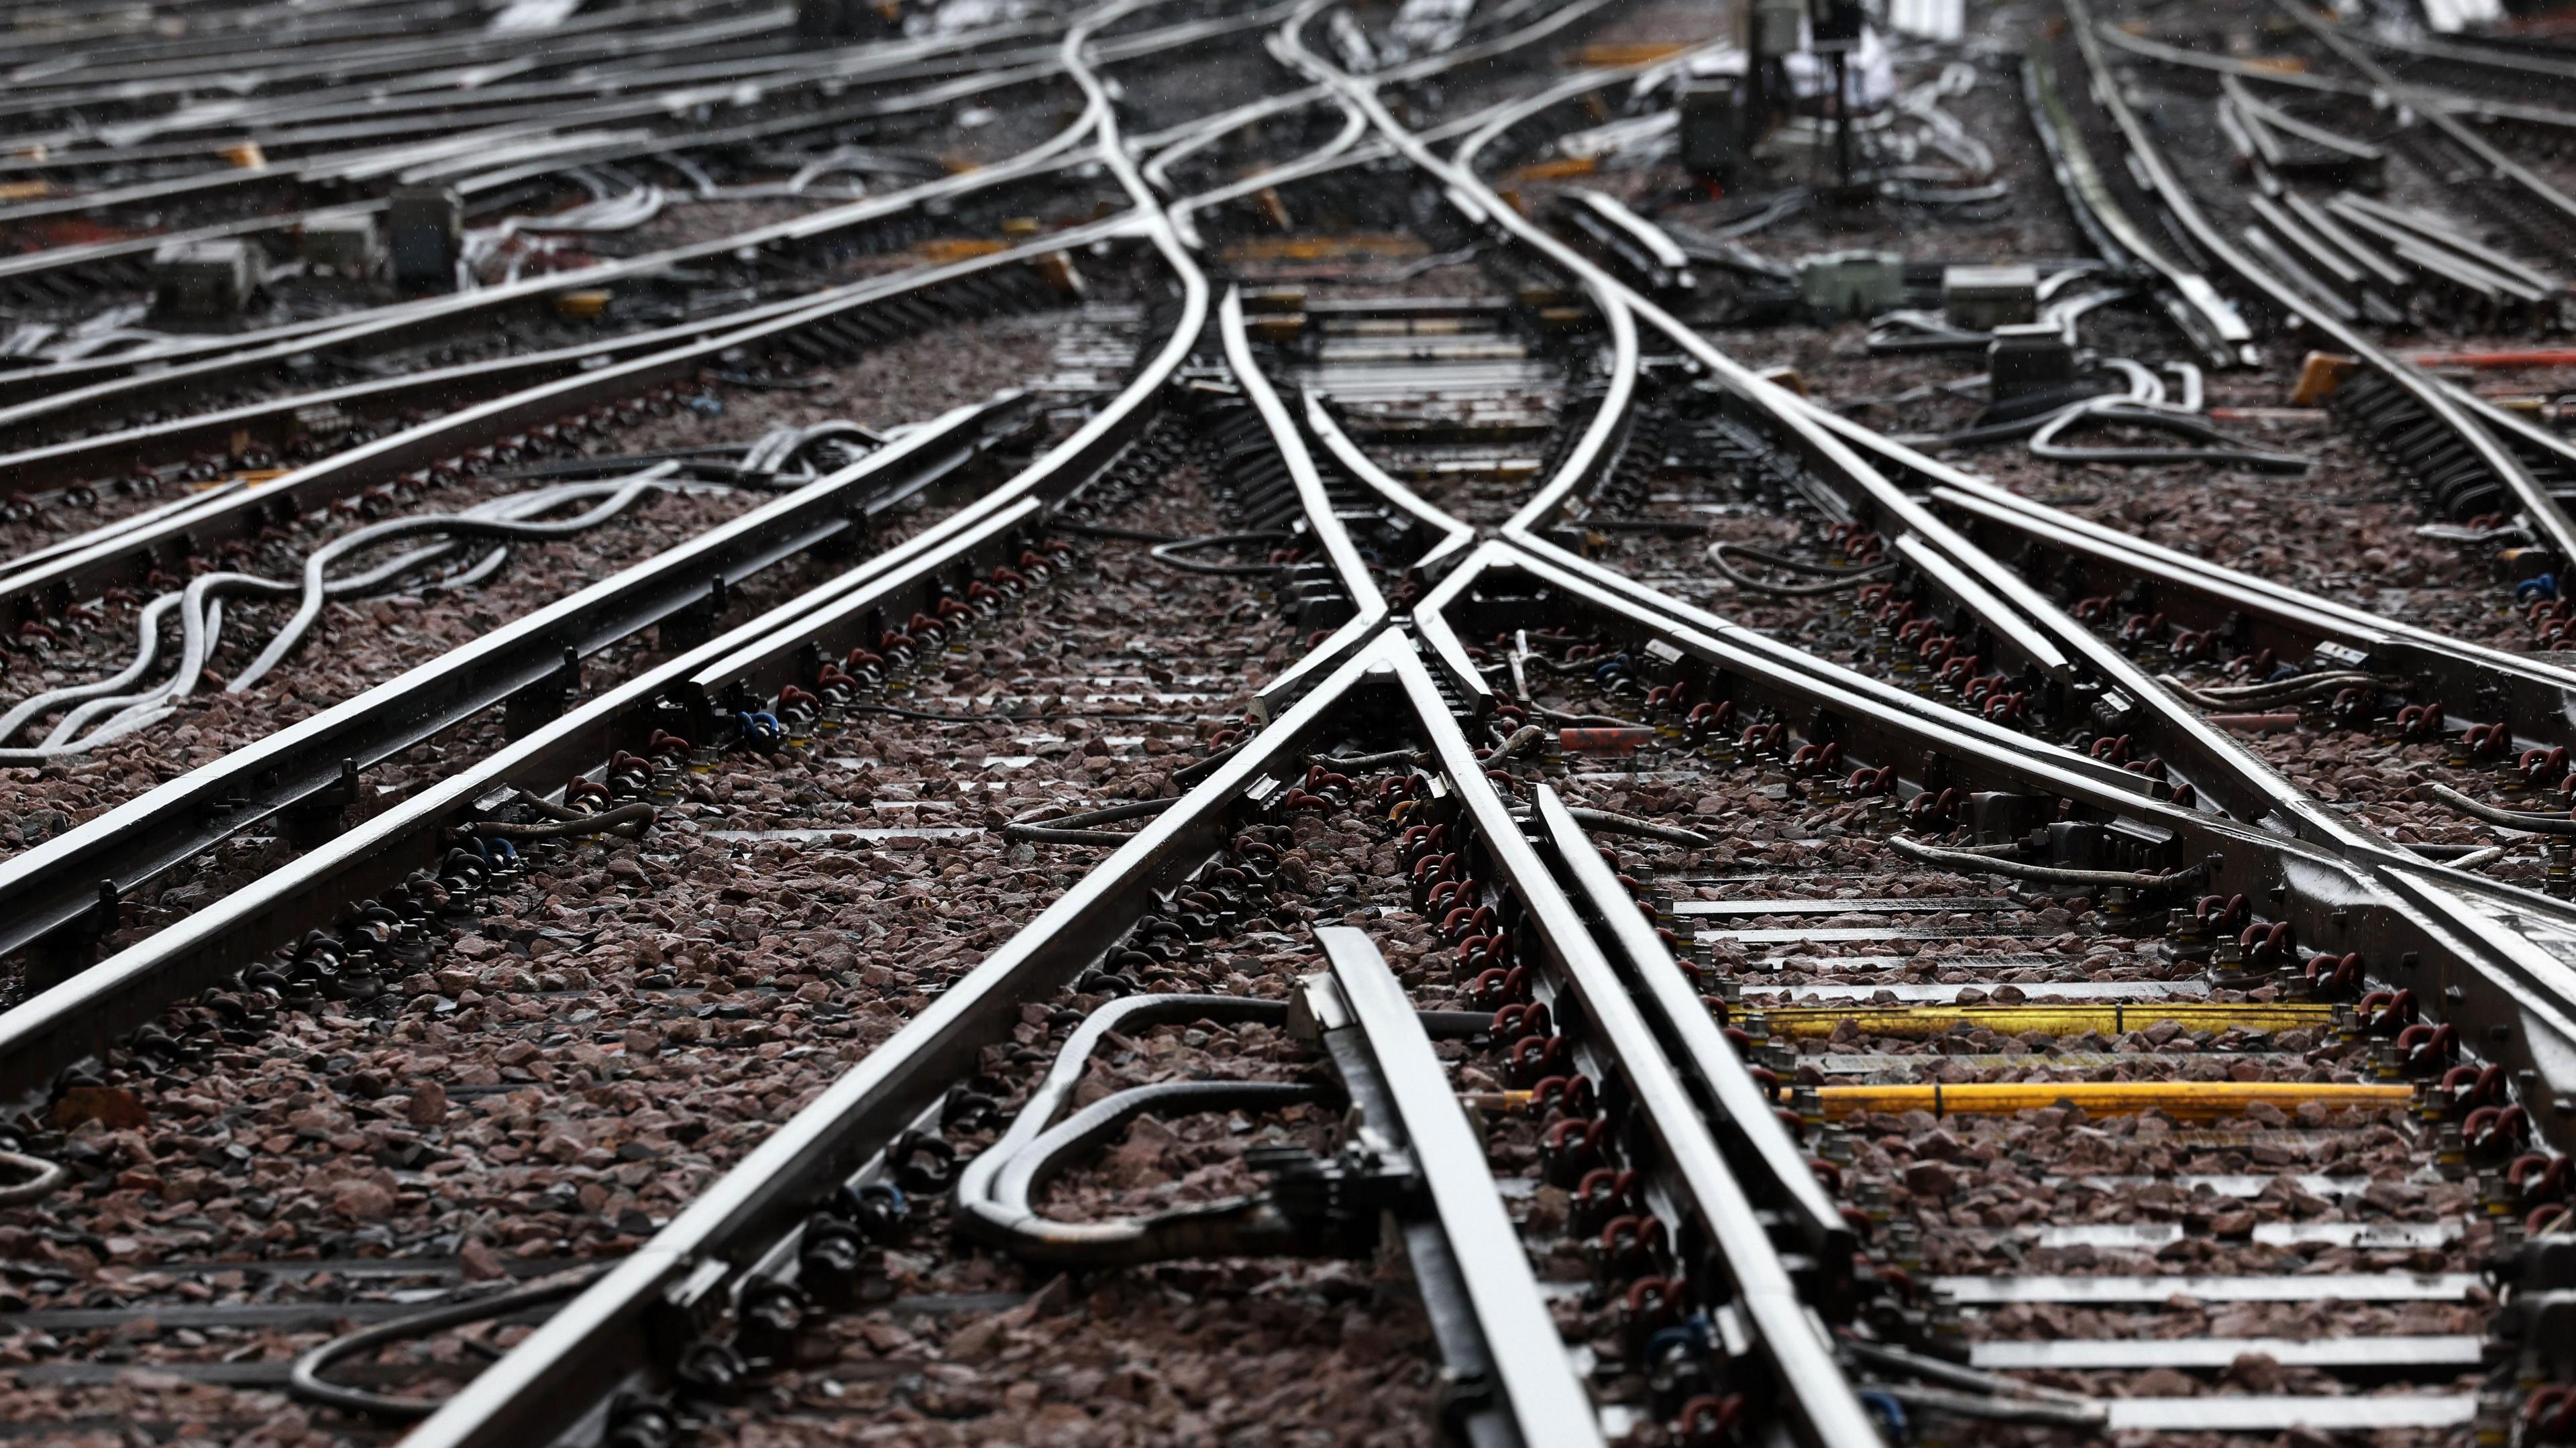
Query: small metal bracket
[543, 701]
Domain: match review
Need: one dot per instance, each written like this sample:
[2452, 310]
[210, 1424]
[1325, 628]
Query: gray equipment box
[427, 226]
[2032, 357]
[203, 278]
[1982, 298]
[1772, 26]
[1712, 131]
[1853, 283]
[345, 244]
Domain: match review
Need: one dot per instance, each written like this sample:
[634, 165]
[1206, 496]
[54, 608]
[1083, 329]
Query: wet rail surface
[1243, 772]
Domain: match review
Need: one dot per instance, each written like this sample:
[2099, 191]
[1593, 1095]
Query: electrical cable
[2282, 691]
[2225, 450]
[1611, 823]
[1168, 554]
[993, 1200]
[200, 609]
[1971, 862]
[1838, 581]
[305, 1380]
[1081, 529]
[899, 712]
[629, 820]
[2529, 821]
[44, 1179]
[454, 526]
[1076, 829]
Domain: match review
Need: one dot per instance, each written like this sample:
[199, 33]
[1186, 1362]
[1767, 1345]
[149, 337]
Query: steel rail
[307, 121]
[2536, 694]
[40, 393]
[123, 451]
[98, 386]
[1349, 569]
[839, 605]
[1546, 1401]
[1169, 149]
[209, 34]
[1773, 1168]
[85, 382]
[1553, 565]
[1485, 587]
[2207, 318]
[575, 1360]
[2428, 104]
[335, 476]
[384, 148]
[740, 1226]
[124, 554]
[2215, 763]
[86, 1012]
[347, 43]
[431, 148]
[2533, 694]
[2543, 512]
[118, 993]
[1450, 537]
[1614, 594]
[61, 883]
[1823, 1409]
[101, 385]
[839, 610]
[2011, 627]
[568, 1366]
[128, 451]
[583, 1353]
[89, 21]
[2420, 926]
[630, 30]
[788, 74]
[1344, 150]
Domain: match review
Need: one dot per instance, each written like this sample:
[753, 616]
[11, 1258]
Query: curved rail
[2022, 619]
[2543, 511]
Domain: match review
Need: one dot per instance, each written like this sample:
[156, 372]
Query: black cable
[1670, 527]
[1835, 584]
[1080, 529]
[306, 1381]
[1189, 774]
[1611, 823]
[1380, 760]
[900, 712]
[1168, 554]
[1968, 862]
[2534, 822]
[994, 1199]
[629, 820]
[1769, 559]
[45, 1178]
[810, 382]
[1076, 829]
[2224, 448]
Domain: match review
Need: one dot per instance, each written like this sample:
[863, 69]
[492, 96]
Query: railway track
[1267, 879]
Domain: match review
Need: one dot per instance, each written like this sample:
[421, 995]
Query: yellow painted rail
[2050, 1020]
[2184, 1100]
